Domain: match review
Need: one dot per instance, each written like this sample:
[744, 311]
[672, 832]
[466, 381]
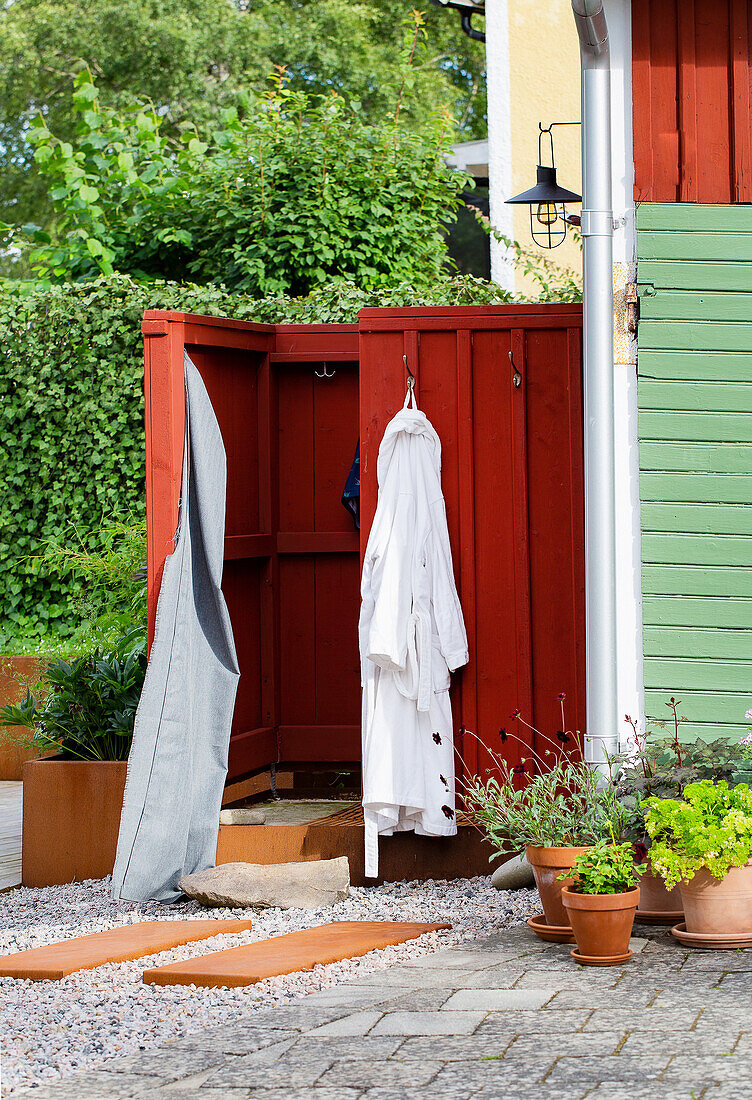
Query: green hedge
[71, 403]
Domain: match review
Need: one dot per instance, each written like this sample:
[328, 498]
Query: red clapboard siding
[512, 479]
[691, 70]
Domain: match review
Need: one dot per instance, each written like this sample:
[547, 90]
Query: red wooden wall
[513, 484]
[692, 93]
[512, 477]
[291, 575]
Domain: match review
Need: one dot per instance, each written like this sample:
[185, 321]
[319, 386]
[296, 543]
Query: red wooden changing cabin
[292, 402]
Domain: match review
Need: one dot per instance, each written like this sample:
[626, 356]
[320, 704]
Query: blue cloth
[351, 495]
[178, 761]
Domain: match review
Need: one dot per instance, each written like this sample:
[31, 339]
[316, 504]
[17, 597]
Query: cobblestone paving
[503, 1017]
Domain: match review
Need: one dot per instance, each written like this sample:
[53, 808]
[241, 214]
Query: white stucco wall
[499, 137]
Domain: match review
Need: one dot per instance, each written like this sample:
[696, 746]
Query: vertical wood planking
[296, 450]
[337, 588]
[467, 746]
[697, 55]
[268, 492]
[687, 64]
[521, 523]
[741, 93]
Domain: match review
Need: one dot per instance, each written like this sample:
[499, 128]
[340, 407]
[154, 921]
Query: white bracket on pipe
[597, 223]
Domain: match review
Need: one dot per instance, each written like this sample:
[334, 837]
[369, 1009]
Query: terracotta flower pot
[602, 923]
[713, 908]
[657, 904]
[548, 864]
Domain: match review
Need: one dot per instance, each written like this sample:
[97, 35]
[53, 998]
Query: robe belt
[416, 682]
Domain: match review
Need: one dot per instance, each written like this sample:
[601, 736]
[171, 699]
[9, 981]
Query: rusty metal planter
[71, 816]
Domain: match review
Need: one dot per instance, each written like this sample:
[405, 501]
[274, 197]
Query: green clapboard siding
[695, 425]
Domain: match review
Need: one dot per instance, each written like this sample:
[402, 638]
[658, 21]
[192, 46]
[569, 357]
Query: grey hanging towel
[178, 760]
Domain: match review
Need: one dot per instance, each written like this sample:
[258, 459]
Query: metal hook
[516, 376]
[410, 376]
[325, 373]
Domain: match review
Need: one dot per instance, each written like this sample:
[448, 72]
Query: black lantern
[547, 200]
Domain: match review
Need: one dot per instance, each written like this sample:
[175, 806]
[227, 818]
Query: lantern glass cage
[547, 201]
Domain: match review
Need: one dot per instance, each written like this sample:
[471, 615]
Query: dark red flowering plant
[549, 798]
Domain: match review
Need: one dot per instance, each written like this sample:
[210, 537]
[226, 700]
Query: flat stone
[646, 1019]
[496, 1000]
[515, 874]
[308, 885]
[370, 1074]
[93, 1085]
[239, 1072]
[359, 1023]
[247, 816]
[580, 1044]
[598, 1068]
[346, 1048]
[709, 1043]
[428, 1023]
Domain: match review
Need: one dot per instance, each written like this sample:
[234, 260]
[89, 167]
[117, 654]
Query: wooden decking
[11, 801]
[403, 856]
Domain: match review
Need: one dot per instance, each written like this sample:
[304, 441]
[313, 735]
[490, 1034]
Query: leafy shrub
[113, 575]
[278, 199]
[72, 414]
[709, 827]
[84, 709]
[605, 868]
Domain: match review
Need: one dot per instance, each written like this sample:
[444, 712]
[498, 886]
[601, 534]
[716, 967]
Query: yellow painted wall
[544, 61]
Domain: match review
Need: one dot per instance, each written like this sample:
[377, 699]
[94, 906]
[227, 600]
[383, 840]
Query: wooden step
[287, 954]
[130, 941]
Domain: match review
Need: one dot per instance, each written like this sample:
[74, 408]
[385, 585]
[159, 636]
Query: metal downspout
[598, 356]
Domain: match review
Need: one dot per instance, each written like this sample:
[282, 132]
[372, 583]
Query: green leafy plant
[661, 765]
[113, 579]
[555, 799]
[709, 827]
[84, 709]
[605, 868]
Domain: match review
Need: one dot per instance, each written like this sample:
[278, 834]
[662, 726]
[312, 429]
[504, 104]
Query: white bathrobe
[411, 635]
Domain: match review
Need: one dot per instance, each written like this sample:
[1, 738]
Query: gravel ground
[54, 1028]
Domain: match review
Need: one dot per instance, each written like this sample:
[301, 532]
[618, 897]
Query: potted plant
[659, 765]
[80, 716]
[554, 806]
[702, 842]
[601, 899]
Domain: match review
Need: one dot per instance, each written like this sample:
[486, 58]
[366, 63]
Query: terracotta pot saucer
[552, 933]
[658, 916]
[716, 941]
[599, 960]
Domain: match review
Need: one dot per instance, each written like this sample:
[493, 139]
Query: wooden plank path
[287, 954]
[130, 941]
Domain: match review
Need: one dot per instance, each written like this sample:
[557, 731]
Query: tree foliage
[192, 58]
[279, 199]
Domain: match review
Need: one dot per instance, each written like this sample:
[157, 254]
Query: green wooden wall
[695, 426]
